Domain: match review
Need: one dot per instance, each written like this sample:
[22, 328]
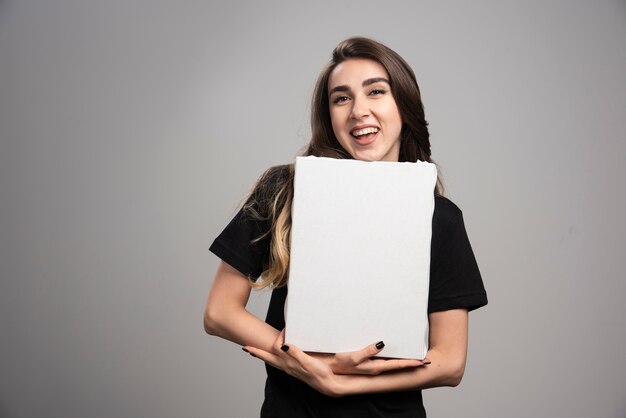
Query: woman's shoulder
[446, 208]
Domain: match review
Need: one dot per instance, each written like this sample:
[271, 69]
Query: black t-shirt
[455, 282]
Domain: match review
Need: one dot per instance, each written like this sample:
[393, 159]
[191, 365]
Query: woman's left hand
[295, 362]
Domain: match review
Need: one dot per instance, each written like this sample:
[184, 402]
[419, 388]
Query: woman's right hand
[362, 361]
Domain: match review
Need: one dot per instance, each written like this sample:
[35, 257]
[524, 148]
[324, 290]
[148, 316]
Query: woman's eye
[376, 92]
[340, 99]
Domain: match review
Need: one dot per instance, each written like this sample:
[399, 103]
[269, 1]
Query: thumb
[371, 350]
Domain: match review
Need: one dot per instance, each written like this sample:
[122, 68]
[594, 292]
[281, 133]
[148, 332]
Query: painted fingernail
[284, 348]
[245, 349]
[380, 345]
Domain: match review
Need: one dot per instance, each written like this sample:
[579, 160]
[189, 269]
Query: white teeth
[364, 131]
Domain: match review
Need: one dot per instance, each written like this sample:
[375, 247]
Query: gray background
[131, 130]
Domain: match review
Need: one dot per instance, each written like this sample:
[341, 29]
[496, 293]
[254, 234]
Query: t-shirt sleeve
[239, 244]
[455, 280]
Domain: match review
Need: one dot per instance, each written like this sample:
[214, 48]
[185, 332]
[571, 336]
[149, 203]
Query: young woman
[366, 106]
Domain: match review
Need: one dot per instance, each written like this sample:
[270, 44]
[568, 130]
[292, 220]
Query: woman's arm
[447, 353]
[225, 314]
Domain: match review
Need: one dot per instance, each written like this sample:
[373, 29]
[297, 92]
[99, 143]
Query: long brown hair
[273, 193]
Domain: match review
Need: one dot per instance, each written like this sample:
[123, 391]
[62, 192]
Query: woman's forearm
[448, 341]
[226, 316]
[440, 372]
[241, 327]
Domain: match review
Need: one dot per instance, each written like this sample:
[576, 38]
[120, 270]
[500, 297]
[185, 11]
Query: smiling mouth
[358, 133]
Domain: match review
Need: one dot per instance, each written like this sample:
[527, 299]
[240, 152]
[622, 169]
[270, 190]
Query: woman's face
[363, 112]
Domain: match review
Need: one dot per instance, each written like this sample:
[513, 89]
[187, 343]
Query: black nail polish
[284, 348]
[380, 345]
[244, 349]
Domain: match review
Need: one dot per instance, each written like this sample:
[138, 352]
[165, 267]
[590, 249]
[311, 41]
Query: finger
[266, 356]
[280, 341]
[295, 352]
[378, 366]
[371, 350]
[382, 366]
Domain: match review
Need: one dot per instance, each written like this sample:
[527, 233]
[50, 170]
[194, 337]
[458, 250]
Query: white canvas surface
[360, 256]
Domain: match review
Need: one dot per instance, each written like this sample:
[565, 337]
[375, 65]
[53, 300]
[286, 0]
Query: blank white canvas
[360, 256]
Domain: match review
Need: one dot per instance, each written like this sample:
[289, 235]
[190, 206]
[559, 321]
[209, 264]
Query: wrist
[334, 366]
[339, 387]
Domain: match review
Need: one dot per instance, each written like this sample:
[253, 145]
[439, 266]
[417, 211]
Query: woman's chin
[372, 155]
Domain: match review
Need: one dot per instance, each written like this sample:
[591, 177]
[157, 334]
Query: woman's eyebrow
[370, 81]
[342, 87]
[367, 82]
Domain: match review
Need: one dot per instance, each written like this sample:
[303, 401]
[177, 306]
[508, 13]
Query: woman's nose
[359, 109]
